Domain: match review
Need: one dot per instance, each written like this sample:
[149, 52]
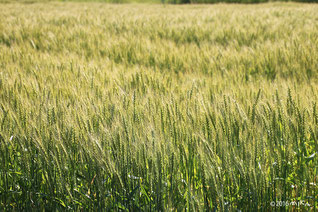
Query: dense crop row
[162, 1]
[219, 1]
[158, 107]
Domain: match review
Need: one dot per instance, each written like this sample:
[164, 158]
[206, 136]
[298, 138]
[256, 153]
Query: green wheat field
[158, 107]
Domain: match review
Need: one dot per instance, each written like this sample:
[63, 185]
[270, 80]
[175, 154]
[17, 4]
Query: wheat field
[149, 107]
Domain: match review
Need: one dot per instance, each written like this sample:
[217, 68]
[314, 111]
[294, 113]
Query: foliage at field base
[151, 107]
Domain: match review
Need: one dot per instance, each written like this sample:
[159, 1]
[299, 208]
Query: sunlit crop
[158, 107]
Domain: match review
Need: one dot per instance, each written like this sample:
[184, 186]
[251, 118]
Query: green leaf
[60, 202]
[311, 157]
